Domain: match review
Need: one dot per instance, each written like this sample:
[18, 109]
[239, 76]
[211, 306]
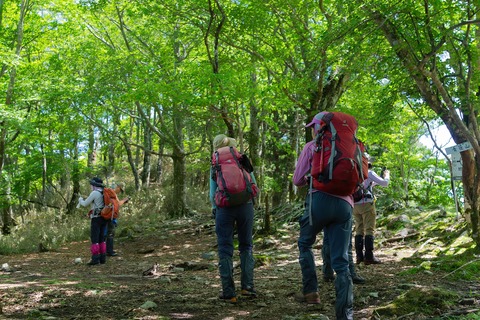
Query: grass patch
[424, 301]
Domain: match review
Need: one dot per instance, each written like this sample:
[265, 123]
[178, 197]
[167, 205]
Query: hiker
[98, 225]
[365, 214]
[112, 223]
[226, 217]
[328, 274]
[328, 212]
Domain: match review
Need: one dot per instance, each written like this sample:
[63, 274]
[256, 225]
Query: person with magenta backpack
[98, 224]
[329, 202]
[229, 208]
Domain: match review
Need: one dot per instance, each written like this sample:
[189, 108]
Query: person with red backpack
[98, 224]
[332, 164]
[232, 191]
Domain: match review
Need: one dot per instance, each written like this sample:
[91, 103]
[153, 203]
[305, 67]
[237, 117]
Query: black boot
[356, 279]
[369, 257]
[95, 260]
[359, 248]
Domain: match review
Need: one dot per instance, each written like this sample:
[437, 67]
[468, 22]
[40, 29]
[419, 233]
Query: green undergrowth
[49, 230]
[418, 300]
[440, 238]
[463, 266]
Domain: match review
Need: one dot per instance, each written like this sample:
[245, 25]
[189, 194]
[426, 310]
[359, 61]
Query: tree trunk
[159, 166]
[44, 176]
[253, 137]
[179, 187]
[92, 153]
[179, 169]
[75, 180]
[7, 212]
[147, 144]
[131, 161]
[428, 79]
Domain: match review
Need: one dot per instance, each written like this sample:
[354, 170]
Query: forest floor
[185, 284]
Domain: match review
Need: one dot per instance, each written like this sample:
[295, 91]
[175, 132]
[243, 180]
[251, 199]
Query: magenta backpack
[234, 183]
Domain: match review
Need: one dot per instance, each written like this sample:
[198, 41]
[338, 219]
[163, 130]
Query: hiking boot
[309, 298]
[359, 247]
[356, 279]
[113, 254]
[373, 260]
[250, 293]
[95, 260]
[369, 257]
[228, 300]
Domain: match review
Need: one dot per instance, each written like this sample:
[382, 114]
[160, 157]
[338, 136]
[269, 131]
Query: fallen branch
[406, 315]
[466, 264]
[395, 239]
[459, 312]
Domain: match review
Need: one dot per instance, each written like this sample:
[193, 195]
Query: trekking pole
[310, 219]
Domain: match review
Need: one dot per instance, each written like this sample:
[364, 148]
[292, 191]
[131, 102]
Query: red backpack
[234, 183]
[339, 165]
[111, 204]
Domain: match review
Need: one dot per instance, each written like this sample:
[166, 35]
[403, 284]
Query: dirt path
[185, 285]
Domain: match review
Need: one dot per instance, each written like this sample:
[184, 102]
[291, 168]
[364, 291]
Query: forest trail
[185, 284]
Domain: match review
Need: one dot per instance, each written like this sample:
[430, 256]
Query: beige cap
[121, 185]
[222, 140]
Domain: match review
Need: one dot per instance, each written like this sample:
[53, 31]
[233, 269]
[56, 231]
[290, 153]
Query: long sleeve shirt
[303, 168]
[372, 180]
[95, 200]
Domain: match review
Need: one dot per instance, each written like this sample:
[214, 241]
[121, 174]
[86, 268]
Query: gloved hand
[79, 199]
[214, 213]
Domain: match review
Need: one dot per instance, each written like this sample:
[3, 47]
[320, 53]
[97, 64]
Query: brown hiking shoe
[310, 298]
[250, 293]
[229, 300]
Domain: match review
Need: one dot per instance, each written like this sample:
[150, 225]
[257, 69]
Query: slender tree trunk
[131, 161]
[179, 185]
[253, 137]
[92, 152]
[179, 169]
[44, 176]
[7, 214]
[159, 166]
[147, 145]
[111, 160]
[75, 180]
[137, 150]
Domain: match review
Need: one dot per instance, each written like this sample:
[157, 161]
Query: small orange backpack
[111, 204]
